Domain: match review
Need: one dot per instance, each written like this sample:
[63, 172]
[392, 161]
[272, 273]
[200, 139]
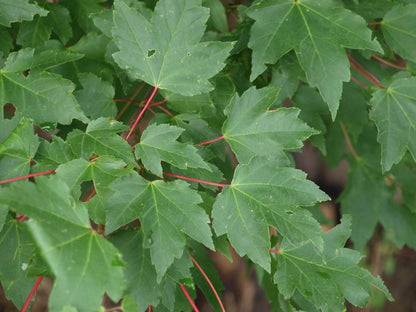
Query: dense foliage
[136, 135]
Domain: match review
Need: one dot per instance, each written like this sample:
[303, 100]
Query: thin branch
[388, 63]
[375, 23]
[189, 298]
[209, 282]
[211, 141]
[149, 100]
[132, 98]
[27, 176]
[194, 180]
[32, 293]
[349, 144]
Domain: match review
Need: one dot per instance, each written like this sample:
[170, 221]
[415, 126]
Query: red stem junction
[149, 100]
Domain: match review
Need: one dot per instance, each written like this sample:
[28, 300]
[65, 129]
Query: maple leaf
[251, 129]
[16, 247]
[102, 172]
[166, 51]
[261, 195]
[158, 143]
[82, 12]
[393, 110]
[141, 275]
[96, 96]
[167, 211]
[369, 200]
[43, 96]
[17, 150]
[60, 18]
[34, 33]
[302, 268]
[52, 154]
[100, 138]
[82, 261]
[399, 30]
[18, 10]
[318, 31]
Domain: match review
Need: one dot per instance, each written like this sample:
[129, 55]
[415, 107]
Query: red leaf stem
[32, 293]
[375, 23]
[158, 103]
[189, 298]
[149, 100]
[194, 180]
[126, 100]
[165, 110]
[209, 282]
[21, 218]
[132, 98]
[388, 63]
[27, 176]
[375, 82]
[149, 309]
[211, 141]
[274, 251]
[358, 82]
[152, 111]
[362, 68]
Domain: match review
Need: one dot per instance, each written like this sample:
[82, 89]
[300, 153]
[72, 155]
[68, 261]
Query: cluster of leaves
[133, 191]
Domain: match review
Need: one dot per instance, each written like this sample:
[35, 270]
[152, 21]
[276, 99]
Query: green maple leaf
[318, 31]
[251, 129]
[100, 138]
[399, 30]
[393, 111]
[60, 19]
[82, 12]
[326, 278]
[16, 247]
[34, 33]
[158, 143]
[96, 96]
[141, 275]
[102, 172]
[39, 60]
[17, 151]
[166, 51]
[52, 154]
[43, 96]
[261, 195]
[369, 200]
[18, 10]
[167, 212]
[82, 261]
